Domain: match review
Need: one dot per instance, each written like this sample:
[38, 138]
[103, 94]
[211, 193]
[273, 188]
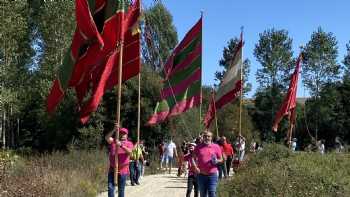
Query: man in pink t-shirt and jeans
[124, 151]
[207, 155]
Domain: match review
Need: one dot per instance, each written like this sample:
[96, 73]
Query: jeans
[121, 184]
[241, 155]
[222, 169]
[135, 172]
[207, 185]
[192, 183]
[228, 164]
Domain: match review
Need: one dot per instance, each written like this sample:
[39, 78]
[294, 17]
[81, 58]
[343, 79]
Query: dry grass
[77, 173]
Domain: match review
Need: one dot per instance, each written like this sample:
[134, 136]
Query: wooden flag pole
[139, 95]
[216, 119]
[120, 71]
[241, 92]
[139, 109]
[201, 91]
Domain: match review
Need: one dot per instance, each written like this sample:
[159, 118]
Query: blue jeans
[135, 172]
[121, 184]
[222, 170]
[207, 185]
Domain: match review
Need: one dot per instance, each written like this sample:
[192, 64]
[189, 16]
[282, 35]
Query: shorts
[167, 159]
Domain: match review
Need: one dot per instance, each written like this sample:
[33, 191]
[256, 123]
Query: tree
[346, 62]
[14, 56]
[159, 36]
[274, 52]
[320, 66]
[320, 61]
[224, 62]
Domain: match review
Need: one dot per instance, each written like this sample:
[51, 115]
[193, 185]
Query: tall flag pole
[288, 107]
[229, 87]
[201, 93]
[183, 76]
[241, 92]
[216, 118]
[139, 90]
[120, 14]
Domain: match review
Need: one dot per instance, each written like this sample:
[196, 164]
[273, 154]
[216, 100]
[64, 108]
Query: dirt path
[159, 185]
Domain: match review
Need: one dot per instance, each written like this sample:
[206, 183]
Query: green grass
[278, 172]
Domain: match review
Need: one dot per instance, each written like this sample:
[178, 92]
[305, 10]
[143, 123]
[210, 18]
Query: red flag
[105, 77]
[289, 103]
[211, 111]
[86, 33]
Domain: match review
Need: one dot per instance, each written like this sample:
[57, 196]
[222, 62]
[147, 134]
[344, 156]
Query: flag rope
[152, 47]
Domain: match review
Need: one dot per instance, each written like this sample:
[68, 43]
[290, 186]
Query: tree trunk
[12, 131]
[4, 129]
[17, 136]
[1, 131]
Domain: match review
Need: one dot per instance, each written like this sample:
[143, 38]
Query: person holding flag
[124, 148]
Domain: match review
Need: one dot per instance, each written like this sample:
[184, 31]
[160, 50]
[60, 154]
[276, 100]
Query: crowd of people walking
[205, 160]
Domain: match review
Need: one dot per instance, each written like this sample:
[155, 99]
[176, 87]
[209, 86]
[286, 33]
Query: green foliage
[274, 52]
[284, 174]
[267, 102]
[346, 62]
[320, 61]
[332, 108]
[162, 35]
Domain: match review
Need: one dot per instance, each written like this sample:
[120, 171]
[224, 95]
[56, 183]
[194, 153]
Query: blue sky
[223, 19]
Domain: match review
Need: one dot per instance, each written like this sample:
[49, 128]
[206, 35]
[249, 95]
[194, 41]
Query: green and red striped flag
[183, 77]
[229, 87]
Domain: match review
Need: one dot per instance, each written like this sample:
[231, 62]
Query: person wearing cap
[192, 175]
[136, 158]
[124, 150]
[207, 156]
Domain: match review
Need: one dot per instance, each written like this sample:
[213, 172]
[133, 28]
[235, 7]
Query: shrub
[280, 173]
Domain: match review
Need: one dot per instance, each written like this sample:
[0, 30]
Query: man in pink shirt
[207, 155]
[124, 150]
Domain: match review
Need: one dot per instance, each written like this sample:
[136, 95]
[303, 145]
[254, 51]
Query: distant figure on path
[241, 145]
[321, 147]
[124, 151]
[192, 175]
[161, 149]
[228, 151]
[294, 144]
[135, 165]
[169, 153]
[207, 155]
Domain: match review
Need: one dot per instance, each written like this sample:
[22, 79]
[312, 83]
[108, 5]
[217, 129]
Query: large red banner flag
[95, 69]
[86, 32]
[210, 115]
[289, 103]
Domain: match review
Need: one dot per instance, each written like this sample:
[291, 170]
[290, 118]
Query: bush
[280, 173]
